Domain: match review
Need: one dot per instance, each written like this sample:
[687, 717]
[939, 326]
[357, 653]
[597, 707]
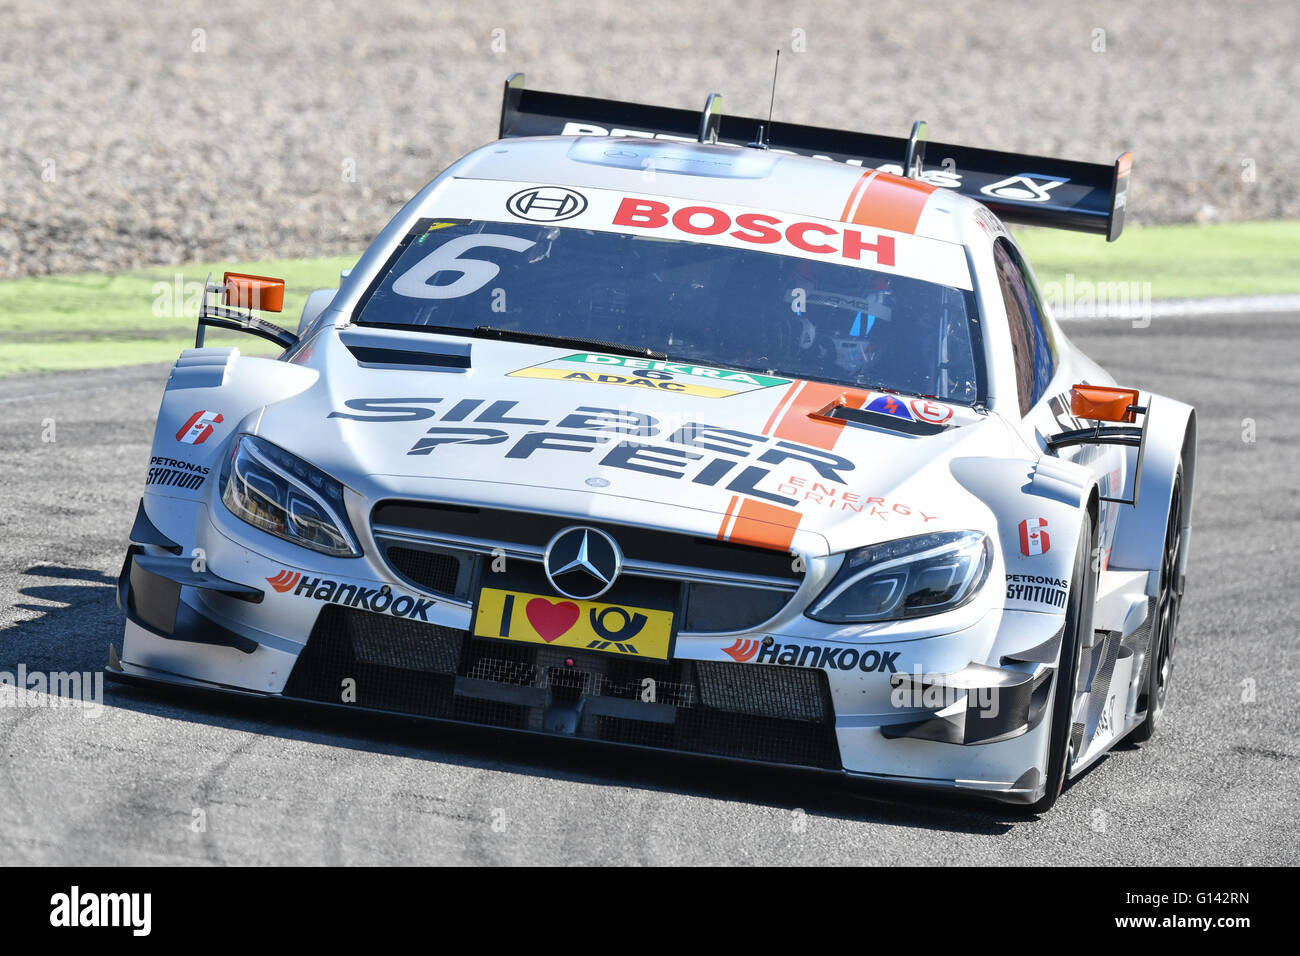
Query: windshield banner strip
[865, 246]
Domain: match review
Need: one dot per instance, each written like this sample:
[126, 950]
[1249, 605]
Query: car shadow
[76, 636]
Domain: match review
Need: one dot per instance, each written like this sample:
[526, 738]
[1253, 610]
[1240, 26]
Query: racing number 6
[474, 273]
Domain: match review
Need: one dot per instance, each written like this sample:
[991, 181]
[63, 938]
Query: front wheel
[1164, 624]
[1065, 687]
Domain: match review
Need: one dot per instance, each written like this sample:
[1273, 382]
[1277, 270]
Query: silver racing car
[691, 432]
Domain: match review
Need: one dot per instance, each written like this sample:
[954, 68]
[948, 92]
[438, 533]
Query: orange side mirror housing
[1103, 403]
[253, 292]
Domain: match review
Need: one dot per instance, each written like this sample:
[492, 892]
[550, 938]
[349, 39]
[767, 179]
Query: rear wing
[1033, 190]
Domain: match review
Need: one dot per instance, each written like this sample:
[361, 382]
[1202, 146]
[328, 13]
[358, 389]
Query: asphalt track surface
[271, 785]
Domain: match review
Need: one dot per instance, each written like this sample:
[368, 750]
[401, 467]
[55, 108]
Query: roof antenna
[764, 138]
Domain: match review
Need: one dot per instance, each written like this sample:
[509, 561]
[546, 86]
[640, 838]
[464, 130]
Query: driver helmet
[843, 314]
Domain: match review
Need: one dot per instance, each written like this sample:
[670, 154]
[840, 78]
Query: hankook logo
[546, 203]
[582, 563]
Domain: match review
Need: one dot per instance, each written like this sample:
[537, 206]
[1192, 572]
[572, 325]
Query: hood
[745, 457]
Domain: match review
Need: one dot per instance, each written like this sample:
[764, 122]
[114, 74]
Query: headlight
[911, 577]
[285, 496]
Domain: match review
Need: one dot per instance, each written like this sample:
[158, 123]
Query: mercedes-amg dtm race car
[670, 430]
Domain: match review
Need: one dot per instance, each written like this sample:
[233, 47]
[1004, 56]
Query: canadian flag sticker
[1033, 536]
[198, 428]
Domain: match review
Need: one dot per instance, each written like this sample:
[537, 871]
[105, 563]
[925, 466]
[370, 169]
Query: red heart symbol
[551, 620]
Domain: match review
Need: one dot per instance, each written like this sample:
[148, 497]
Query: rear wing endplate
[1033, 190]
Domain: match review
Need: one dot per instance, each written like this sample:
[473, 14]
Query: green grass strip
[60, 323]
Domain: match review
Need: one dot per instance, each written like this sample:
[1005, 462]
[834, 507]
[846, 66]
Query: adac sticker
[650, 375]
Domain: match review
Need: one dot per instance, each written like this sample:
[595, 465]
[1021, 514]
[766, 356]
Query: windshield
[693, 301]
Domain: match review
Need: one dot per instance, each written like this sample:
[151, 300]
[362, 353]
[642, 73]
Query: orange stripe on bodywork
[890, 202]
[726, 518]
[796, 425]
[790, 394]
[853, 196]
[772, 526]
[765, 526]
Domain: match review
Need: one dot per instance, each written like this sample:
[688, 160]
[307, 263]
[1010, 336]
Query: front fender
[1171, 438]
[1040, 509]
[209, 393]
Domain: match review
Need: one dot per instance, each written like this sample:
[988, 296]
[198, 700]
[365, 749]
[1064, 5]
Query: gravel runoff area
[143, 134]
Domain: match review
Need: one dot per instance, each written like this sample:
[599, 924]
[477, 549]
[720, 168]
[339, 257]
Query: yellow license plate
[583, 625]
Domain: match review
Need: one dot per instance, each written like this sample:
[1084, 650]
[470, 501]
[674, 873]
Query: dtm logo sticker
[1024, 187]
[1033, 537]
[769, 651]
[546, 204]
[198, 428]
[381, 600]
[681, 377]
[932, 412]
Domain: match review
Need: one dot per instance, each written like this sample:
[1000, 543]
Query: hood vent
[866, 418]
[413, 351]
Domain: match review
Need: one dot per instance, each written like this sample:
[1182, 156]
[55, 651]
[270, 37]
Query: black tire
[1078, 626]
[1164, 623]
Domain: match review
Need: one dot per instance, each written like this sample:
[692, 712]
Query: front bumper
[833, 708]
[775, 715]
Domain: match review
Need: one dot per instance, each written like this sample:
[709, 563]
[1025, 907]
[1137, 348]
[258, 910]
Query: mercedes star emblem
[582, 563]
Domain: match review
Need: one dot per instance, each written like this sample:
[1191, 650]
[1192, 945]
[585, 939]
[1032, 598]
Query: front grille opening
[503, 672]
[375, 661]
[762, 713]
[438, 571]
[535, 530]
[786, 693]
[724, 607]
[391, 642]
[567, 683]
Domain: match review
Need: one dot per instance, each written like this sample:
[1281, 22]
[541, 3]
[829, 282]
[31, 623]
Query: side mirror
[239, 291]
[253, 292]
[1104, 403]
